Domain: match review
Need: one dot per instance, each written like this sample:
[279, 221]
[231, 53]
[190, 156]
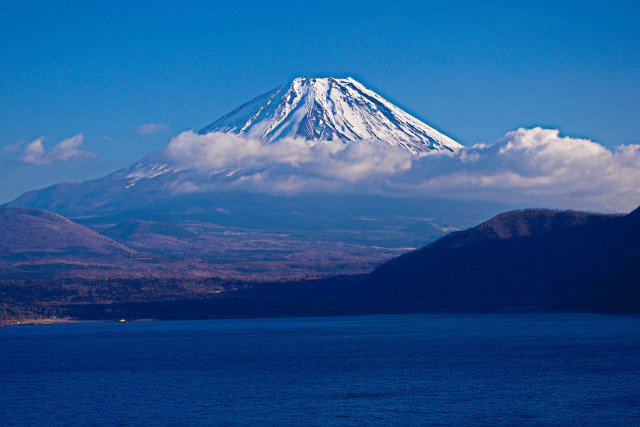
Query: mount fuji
[324, 110]
[310, 232]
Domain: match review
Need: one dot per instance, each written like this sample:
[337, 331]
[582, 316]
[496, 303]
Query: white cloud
[149, 128]
[13, 148]
[67, 149]
[535, 167]
[334, 160]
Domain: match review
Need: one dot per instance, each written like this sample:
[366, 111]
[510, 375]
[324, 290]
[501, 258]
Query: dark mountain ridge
[530, 258]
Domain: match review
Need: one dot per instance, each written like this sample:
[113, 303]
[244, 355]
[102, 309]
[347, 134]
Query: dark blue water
[519, 369]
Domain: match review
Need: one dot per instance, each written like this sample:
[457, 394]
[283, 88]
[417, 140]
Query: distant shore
[51, 321]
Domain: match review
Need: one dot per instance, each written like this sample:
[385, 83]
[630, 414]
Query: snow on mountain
[329, 109]
[146, 171]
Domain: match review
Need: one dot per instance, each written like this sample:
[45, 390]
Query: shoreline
[47, 321]
[52, 321]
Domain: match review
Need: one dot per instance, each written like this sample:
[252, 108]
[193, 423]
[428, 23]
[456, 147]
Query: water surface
[526, 369]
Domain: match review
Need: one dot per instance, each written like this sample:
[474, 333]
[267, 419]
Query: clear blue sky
[474, 70]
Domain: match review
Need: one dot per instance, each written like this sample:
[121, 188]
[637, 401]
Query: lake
[481, 369]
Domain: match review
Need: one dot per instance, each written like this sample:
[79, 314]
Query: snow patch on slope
[146, 171]
[328, 109]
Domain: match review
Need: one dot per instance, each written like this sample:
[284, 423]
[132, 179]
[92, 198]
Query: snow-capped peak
[329, 109]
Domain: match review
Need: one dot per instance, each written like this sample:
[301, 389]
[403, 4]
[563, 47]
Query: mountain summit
[329, 109]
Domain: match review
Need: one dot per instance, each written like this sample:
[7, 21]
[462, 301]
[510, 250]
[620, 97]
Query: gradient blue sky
[473, 70]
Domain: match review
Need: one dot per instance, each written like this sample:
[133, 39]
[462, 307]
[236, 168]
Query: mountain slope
[34, 230]
[540, 258]
[39, 244]
[328, 109]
